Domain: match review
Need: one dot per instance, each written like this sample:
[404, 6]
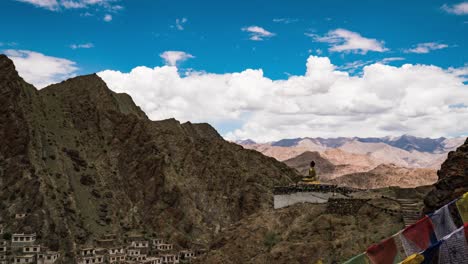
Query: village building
[153, 260]
[157, 241]
[48, 257]
[169, 258]
[91, 259]
[116, 255]
[1, 229]
[24, 259]
[20, 215]
[133, 252]
[87, 251]
[32, 249]
[136, 258]
[186, 255]
[165, 247]
[140, 244]
[3, 259]
[21, 239]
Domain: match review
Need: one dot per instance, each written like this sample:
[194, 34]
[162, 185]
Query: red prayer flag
[420, 233]
[383, 253]
[465, 227]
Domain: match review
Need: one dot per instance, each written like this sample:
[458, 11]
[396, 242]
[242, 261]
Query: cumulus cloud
[171, 57]
[325, 101]
[426, 47]
[457, 9]
[82, 46]
[258, 33]
[342, 40]
[39, 69]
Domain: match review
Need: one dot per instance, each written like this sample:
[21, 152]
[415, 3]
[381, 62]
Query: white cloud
[52, 5]
[258, 33]
[82, 46]
[387, 60]
[39, 69]
[426, 47]
[108, 18]
[56, 5]
[180, 23]
[384, 100]
[457, 9]
[342, 40]
[171, 57]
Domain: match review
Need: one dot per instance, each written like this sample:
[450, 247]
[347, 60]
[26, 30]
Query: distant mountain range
[405, 142]
[406, 161]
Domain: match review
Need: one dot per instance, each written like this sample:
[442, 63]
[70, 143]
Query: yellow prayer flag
[462, 206]
[413, 259]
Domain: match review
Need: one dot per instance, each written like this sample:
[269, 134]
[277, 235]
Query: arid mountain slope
[302, 163]
[81, 161]
[306, 233]
[386, 175]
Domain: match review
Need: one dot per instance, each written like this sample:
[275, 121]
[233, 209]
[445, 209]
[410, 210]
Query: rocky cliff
[81, 161]
[452, 179]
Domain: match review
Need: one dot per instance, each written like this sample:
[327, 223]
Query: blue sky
[142, 30]
[209, 47]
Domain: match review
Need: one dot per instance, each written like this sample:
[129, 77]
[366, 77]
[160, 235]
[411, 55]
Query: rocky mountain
[302, 163]
[81, 161]
[452, 179]
[405, 142]
[423, 156]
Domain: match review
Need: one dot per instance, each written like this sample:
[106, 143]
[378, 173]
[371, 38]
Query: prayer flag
[462, 206]
[385, 252]
[418, 236]
[443, 223]
[431, 253]
[454, 249]
[413, 259]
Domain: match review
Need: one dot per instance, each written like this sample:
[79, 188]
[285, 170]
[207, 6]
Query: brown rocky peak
[7, 69]
[92, 90]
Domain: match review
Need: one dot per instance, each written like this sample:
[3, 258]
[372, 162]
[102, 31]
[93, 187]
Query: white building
[24, 259]
[21, 239]
[169, 258]
[91, 259]
[157, 241]
[165, 247]
[153, 260]
[140, 244]
[116, 255]
[48, 257]
[32, 249]
[186, 254]
[20, 216]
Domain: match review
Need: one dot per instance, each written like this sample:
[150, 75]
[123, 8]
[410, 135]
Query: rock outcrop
[452, 179]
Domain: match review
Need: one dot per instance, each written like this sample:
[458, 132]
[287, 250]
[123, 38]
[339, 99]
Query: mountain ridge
[82, 161]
